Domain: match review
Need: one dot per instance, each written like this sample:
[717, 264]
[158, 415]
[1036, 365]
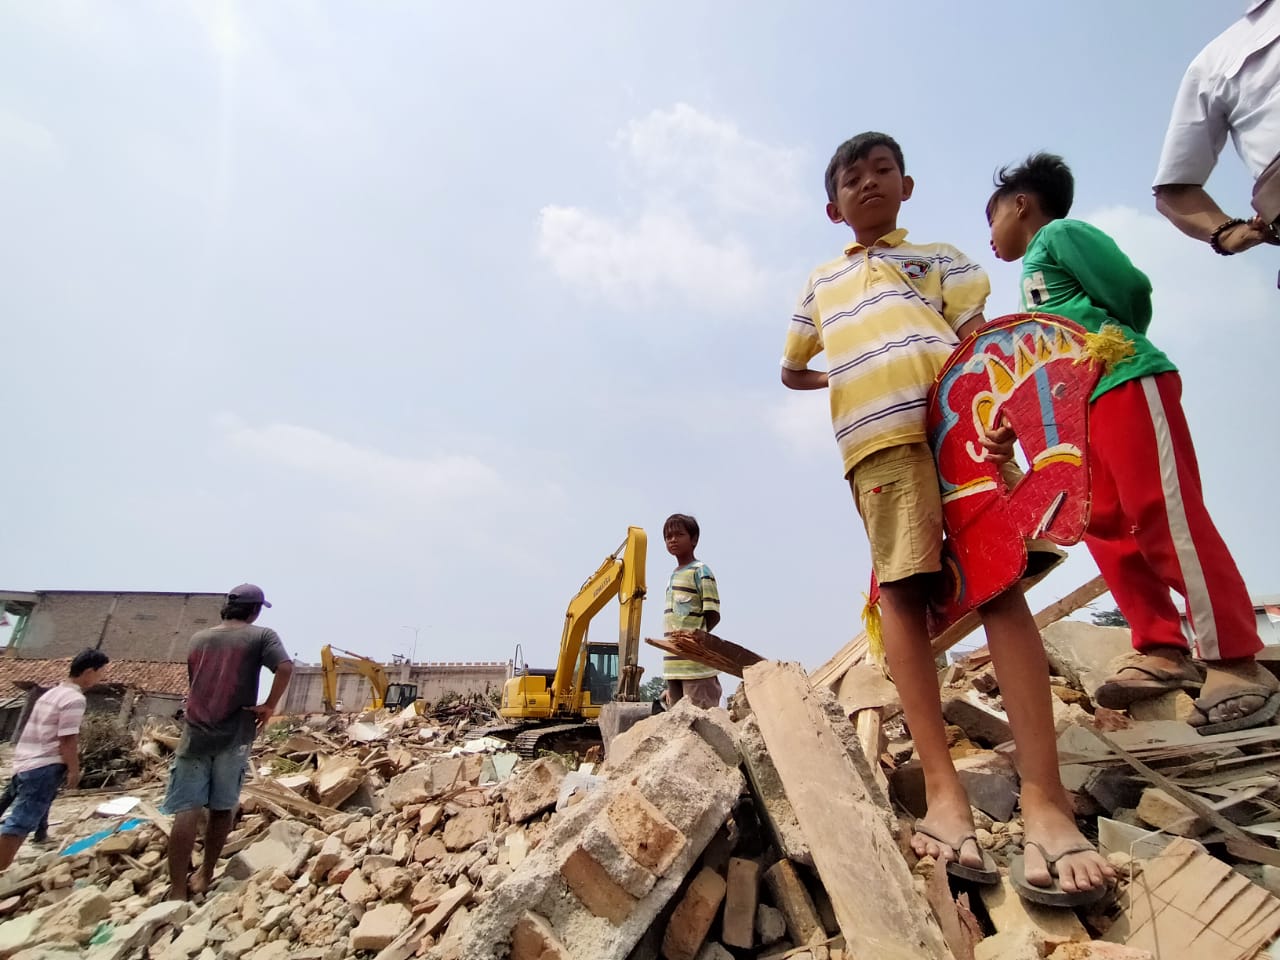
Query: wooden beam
[825, 789]
[829, 674]
[1238, 842]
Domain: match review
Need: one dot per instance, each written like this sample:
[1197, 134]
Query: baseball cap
[247, 593]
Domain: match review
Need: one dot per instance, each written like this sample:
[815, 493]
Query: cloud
[802, 421]
[21, 135]
[692, 178]
[638, 262]
[682, 150]
[423, 480]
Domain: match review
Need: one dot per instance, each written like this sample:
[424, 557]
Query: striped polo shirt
[56, 714]
[691, 594]
[886, 317]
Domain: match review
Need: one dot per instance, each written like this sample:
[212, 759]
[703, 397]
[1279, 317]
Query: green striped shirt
[691, 595]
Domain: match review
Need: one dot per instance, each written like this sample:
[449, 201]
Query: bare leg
[1023, 671]
[906, 641]
[9, 845]
[215, 837]
[182, 839]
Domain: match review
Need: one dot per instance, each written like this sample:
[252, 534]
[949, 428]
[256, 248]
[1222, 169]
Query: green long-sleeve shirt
[1073, 269]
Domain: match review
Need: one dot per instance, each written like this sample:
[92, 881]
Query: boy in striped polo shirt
[693, 603]
[888, 314]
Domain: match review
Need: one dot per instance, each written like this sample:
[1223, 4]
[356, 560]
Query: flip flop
[1226, 691]
[986, 875]
[1054, 895]
[1119, 694]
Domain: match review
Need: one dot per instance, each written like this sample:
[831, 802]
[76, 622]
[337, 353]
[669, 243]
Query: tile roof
[148, 676]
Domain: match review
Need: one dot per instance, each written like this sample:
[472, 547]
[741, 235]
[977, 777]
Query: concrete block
[1009, 912]
[742, 896]
[1163, 812]
[467, 828]
[1008, 945]
[693, 917]
[643, 832]
[981, 723]
[778, 812]
[789, 893]
[1100, 950]
[379, 926]
[770, 924]
[598, 891]
[533, 939]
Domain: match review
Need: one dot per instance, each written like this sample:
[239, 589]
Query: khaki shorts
[900, 503]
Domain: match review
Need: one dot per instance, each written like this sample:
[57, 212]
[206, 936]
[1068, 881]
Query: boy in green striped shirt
[693, 604]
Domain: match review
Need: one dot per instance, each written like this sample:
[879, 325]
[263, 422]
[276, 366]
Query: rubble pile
[108, 752]
[775, 829]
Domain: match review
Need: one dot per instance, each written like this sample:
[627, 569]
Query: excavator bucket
[617, 717]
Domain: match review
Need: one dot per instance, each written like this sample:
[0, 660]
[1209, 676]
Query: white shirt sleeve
[1196, 135]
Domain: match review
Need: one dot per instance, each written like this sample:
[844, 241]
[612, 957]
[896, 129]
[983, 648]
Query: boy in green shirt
[1150, 530]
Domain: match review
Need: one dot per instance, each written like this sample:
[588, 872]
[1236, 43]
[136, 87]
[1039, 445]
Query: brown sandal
[1120, 692]
[1222, 685]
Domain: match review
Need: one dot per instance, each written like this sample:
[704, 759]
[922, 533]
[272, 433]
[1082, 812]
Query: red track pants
[1150, 532]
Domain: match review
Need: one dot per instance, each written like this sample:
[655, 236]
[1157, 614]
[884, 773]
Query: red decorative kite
[1033, 371]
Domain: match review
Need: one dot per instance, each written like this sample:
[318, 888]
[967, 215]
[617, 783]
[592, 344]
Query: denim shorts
[212, 781]
[35, 792]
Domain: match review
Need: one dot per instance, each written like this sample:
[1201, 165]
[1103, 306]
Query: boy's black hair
[88, 660]
[1044, 174]
[854, 149]
[684, 522]
[238, 610]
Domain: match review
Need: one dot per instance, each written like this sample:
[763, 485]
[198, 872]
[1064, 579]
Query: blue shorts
[35, 792]
[213, 781]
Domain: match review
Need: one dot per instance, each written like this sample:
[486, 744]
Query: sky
[405, 311]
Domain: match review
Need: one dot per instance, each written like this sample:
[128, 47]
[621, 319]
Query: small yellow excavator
[551, 706]
[393, 696]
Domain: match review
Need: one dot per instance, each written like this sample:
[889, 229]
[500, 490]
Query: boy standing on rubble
[48, 752]
[888, 314]
[693, 604]
[1149, 530]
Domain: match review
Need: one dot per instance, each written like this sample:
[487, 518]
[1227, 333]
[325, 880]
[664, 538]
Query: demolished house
[775, 829]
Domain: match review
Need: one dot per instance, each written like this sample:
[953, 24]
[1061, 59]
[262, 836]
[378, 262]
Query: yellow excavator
[393, 696]
[553, 705]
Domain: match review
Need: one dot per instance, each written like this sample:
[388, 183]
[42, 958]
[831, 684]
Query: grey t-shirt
[223, 668]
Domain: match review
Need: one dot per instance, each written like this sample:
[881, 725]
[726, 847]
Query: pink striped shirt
[56, 714]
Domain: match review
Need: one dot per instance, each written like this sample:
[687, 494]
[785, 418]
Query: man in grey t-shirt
[222, 718]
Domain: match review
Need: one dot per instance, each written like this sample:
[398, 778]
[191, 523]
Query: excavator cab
[400, 695]
[601, 674]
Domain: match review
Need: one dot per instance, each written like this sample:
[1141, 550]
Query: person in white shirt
[1232, 87]
[48, 752]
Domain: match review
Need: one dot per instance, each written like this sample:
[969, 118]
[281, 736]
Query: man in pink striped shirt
[48, 751]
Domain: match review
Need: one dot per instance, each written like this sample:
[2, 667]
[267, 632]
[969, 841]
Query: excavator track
[560, 738]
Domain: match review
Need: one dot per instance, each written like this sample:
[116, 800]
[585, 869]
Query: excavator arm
[621, 575]
[331, 666]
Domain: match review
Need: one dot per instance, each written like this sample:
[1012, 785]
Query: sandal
[1119, 692]
[1053, 895]
[1224, 684]
[987, 875]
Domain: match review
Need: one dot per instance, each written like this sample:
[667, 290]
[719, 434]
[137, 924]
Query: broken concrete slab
[1009, 912]
[275, 851]
[982, 723]
[1158, 809]
[677, 769]
[1084, 653]
[536, 790]
[779, 814]
[989, 778]
[824, 787]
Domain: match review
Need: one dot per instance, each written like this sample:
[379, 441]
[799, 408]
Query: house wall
[130, 626]
[434, 680]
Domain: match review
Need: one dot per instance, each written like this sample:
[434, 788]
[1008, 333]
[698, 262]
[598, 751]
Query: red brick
[533, 939]
[693, 917]
[642, 830]
[598, 891]
[741, 898]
